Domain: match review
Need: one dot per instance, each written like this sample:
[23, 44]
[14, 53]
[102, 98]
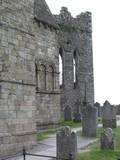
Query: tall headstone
[66, 143]
[77, 113]
[108, 115]
[97, 105]
[89, 121]
[68, 114]
[107, 139]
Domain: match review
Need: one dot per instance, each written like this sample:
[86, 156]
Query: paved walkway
[48, 146]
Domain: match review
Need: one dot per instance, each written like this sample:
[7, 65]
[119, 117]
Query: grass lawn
[71, 124]
[45, 134]
[96, 153]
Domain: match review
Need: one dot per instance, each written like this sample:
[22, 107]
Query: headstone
[107, 139]
[89, 121]
[77, 106]
[108, 115]
[68, 114]
[66, 143]
[97, 105]
[77, 117]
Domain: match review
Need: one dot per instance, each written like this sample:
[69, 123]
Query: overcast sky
[106, 43]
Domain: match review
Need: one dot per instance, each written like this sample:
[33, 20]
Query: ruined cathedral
[46, 64]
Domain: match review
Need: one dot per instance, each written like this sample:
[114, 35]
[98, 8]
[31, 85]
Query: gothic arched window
[60, 67]
[74, 67]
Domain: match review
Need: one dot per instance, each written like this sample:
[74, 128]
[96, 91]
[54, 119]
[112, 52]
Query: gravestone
[68, 114]
[108, 115]
[89, 121]
[77, 114]
[97, 105]
[66, 143]
[77, 117]
[107, 139]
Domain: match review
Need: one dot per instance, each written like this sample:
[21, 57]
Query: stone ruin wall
[24, 45]
[48, 94]
[28, 49]
[17, 80]
[75, 35]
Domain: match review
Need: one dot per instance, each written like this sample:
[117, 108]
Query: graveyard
[47, 98]
[105, 146]
[95, 152]
[69, 139]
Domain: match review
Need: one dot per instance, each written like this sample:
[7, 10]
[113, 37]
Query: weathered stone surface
[75, 41]
[68, 114]
[97, 105]
[108, 115]
[107, 139]
[26, 44]
[89, 121]
[77, 117]
[66, 143]
[29, 69]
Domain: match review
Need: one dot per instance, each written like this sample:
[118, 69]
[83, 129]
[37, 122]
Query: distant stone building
[75, 50]
[31, 42]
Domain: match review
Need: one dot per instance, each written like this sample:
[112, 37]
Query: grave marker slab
[108, 115]
[89, 121]
[107, 139]
[68, 114]
[66, 143]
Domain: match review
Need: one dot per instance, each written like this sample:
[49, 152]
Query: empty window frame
[60, 67]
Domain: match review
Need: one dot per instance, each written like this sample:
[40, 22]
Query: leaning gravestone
[107, 139]
[68, 114]
[108, 115]
[89, 121]
[66, 143]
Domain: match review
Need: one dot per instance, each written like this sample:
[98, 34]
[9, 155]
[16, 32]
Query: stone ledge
[48, 92]
[20, 83]
[24, 133]
[17, 134]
